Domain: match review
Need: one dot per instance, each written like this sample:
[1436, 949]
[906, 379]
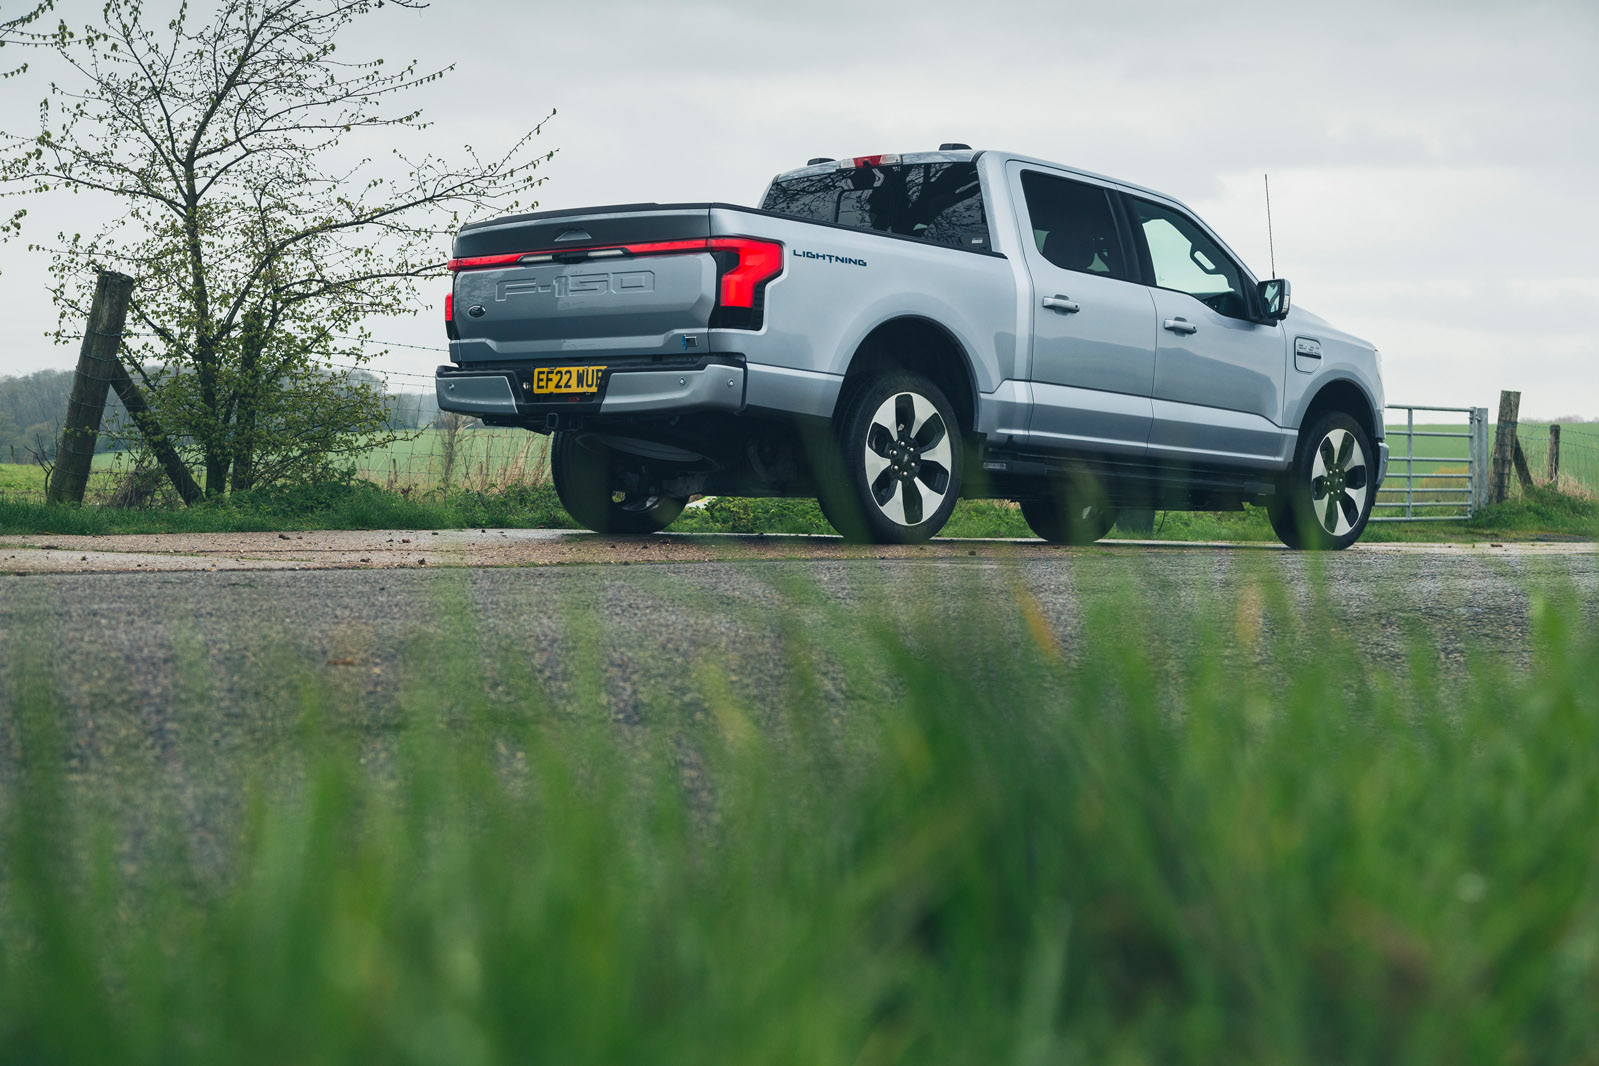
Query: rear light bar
[759, 261]
[890, 160]
[450, 329]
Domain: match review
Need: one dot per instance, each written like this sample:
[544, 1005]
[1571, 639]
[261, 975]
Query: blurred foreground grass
[954, 836]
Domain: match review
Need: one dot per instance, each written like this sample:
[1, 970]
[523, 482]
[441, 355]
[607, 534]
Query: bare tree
[259, 236]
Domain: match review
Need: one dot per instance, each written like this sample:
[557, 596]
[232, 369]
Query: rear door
[1219, 371]
[1093, 352]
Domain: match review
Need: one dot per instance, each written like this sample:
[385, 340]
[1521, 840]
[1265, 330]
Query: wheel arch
[924, 346]
[1349, 396]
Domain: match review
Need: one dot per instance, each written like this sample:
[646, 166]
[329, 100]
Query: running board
[1132, 479]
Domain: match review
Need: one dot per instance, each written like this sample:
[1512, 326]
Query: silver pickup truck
[888, 333]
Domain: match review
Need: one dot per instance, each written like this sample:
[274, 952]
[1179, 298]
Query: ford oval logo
[477, 310]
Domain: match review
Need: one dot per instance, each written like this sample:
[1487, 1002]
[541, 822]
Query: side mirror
[1274, 298]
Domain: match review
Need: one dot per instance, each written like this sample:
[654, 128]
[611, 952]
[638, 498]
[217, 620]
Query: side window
[814, 197]
[941, 203]
[1073, 225]
[952, 205]
[1187, 260]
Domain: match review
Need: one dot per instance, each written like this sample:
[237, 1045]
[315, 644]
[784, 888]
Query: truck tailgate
[552, 284]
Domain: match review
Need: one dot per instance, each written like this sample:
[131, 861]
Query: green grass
[1536, 513]
[361, 504]
[942, 839]
[486, 457]
[19, 478]
[356, 504]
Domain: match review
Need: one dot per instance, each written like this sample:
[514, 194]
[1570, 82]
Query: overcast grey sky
[1431, 164]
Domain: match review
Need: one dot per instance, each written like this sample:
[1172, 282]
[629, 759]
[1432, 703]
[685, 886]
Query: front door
[1093, 355]
[1219, 371]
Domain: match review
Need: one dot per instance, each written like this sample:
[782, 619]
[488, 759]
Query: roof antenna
[1270, 242]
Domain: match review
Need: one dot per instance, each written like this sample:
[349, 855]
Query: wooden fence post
[1504, 445]
[1523, 471]
[139, 412]
[1554, 454]
[102, 337]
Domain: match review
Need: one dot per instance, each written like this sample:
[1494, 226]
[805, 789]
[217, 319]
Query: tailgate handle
[1064, 304]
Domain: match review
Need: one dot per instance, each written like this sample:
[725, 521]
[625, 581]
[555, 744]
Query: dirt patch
[544, 547]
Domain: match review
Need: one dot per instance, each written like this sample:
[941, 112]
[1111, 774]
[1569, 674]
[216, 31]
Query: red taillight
[477, 262]
[449, 307]
[758, 261]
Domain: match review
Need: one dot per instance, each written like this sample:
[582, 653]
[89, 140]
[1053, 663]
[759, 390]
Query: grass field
[1579, 465]
[499, 477]
[486, 458]
[20, 480]
[950, 836]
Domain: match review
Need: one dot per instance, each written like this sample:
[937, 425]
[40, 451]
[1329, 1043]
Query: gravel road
[127, 646]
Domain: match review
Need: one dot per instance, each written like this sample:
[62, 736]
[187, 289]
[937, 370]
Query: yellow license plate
[555, 379]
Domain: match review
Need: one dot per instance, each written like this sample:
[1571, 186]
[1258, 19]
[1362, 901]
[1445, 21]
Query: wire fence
[1577, 470]
[458, 455]
[427, 452]
[423, 451]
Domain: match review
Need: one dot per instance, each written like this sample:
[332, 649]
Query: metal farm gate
[1417, 481]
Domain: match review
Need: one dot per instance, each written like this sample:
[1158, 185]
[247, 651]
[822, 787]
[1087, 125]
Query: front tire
[600, 495]
[1325, 499]
[899, 461]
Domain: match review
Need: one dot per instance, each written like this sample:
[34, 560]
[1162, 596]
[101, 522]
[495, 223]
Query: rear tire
[589, 480]
[897, 474]
[1075, 513]
[1325, 499]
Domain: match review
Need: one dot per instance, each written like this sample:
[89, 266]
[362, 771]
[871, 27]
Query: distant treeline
[33, 406]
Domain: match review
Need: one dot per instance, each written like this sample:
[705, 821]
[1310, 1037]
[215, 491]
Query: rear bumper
[475, 394]
[716, 388]
[505, 394]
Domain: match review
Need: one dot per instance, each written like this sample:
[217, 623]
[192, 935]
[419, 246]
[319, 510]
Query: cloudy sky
[1431, 164]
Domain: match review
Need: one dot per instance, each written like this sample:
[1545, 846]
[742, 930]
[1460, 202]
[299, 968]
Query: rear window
[941, 203]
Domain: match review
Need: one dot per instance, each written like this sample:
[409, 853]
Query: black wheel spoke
[1318, 488]
[904, 412]
[1355, 477]
[1346, 450]
[1350, 508]
[1330, 518]
[879, 440]
[913, 503]
[638, 502]
[934, 476]
[883, 487]
[930, 433]
[1328, 459]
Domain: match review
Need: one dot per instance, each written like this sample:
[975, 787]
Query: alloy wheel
[908, 458]
[1339, 482]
